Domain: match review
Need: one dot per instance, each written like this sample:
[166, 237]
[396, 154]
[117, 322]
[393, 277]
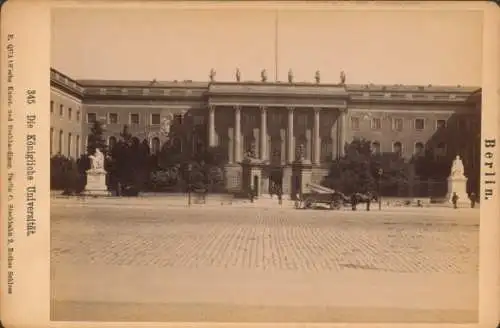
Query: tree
[96, 139]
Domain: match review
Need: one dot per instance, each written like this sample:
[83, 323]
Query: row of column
[290, 133]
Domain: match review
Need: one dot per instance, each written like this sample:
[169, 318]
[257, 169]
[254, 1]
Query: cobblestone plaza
[157, 260]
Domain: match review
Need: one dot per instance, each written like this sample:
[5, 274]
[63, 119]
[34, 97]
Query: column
[211, 126]
[316, 138]
[341, 126]
[291, 150]
[237, 134]
[263, 133]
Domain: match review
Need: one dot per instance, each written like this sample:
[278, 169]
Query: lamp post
[380, 172]
[189, 169]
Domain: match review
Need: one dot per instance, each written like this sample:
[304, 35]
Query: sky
[380, 47]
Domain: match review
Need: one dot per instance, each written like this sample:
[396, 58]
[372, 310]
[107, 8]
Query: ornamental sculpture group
[96, 176]
[263, 76]
[457, 182]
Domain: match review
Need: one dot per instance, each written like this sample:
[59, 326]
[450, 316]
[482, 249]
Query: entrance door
[275, 181]
[256, 185]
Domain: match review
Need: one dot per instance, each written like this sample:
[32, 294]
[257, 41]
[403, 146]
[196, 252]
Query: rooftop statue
[263, 75]
[317, 77]
[342, 77]
[212, 75]
[238, 75]
[290, 76]
[457, 168]
[97, 160]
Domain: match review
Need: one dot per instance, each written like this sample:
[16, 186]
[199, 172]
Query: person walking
[473, 199]
[354, 201]
[280, 195]
[454, 200]
[368, 200]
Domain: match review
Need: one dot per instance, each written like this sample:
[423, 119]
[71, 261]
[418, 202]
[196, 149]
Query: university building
[273, 123]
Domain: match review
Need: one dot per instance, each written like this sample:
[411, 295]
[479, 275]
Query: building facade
[275, 123]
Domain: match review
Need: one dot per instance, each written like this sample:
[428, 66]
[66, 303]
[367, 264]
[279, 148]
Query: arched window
[155, 145]
[397, 148]
[419, 149]
[376, 147]
[111, 142]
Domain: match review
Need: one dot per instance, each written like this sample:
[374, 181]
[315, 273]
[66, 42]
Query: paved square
[120, 260]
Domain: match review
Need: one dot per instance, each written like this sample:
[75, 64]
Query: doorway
[256, 185]
[275, 181]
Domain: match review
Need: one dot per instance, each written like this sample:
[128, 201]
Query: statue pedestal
[96, 183]
[458, 185]
[302, 177]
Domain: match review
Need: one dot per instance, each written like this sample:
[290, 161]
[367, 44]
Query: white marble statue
[97, 160]
[457, 168]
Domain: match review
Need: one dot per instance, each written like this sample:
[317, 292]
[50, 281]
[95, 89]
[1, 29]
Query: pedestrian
[473, 199]
[368, 200]
[454, 200]
[354, 201]
[280, 195]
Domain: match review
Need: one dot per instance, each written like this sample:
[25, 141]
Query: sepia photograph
[265, 165]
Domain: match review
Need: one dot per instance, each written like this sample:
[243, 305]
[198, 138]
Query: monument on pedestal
[96, 176]
[302, 174]
[252, 173]
[457, 182]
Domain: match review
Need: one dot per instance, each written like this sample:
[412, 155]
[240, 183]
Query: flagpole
[276, 47]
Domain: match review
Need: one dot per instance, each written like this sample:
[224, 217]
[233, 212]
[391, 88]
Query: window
[91, 117]
[70, 137]
[419, 148]
[51, 141]
[419, 124]
[61, 110]
[178, 119]
[70, 113]
[77, 152]
[134, 118]
[51, 107]
[155, 145]
[355, 123]
[60, 142]
[155, 119]
[376, 123]
[440, 150]
[397, 147]
[113, 118]
[326, 149]
[78, 115]
[376, 147]
[397, 124]
[111, 142]
[440, 124]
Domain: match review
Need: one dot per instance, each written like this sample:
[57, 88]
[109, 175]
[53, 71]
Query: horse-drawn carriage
[333, 198]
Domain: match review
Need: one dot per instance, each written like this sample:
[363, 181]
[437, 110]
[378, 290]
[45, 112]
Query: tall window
[326, 149]
[112, 118]
[376, 123]
[61, 110]
[70, 113]
[178, 119]
[60, 142]
[355, 123]
[397, 147]
[134, 118]
[78, 116]
[111, 142]
[77, 152]
[51, 107]
[376, 147]
[419, 149]
[70, 137]
[397, 124]
[440, 124]
[91, 117]
[419, 124]
[155, 119]
[155, 145]
[51, 141]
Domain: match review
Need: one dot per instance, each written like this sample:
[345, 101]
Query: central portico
[269, 122]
